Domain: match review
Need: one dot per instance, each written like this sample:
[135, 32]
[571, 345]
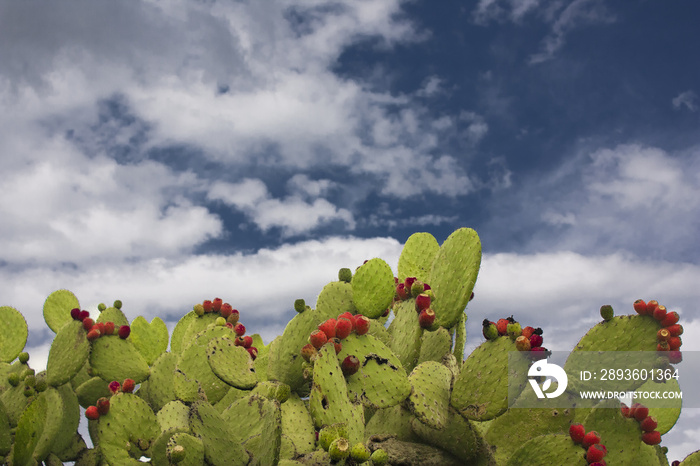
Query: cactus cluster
[374, 374]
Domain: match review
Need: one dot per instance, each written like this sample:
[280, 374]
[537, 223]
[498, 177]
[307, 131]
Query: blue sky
[166, 152]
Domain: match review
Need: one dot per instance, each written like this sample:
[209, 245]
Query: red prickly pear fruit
[651, 438]
[648, 424]
[536, 340]
[239, 341]
[595, 453]
[128, 386]
[660, 313]
[489, 330]
[88, 323]
[233, 318]
[471, 296]
[641, 413]
[401, 291]
[676, 330]
[124, 332]
[422, 302]
[426, 287]
[318, 338]
[350, 316]
[674, 357]
[640, 307]
[663, 335]
[591, 438]
[663, 346]
[83, 315]
[247, 341]
[239, 329]
[109, 328]
[229, 325]
[670, 319]
[92, 413]
[336, 343]
[75, 313]
[651, 305]
[216, 304]
[114, 387]
[100, 326]
[502, 326]
[361, 324]
[328, 327]
[350, 365]
[577, 432]
[253, 351]
[676, 463]
[599, 463]
[426, 318]
[307, 351]
[343, 328]
[93, 334]
[103, 406]
[633, 408]
[386, 313]
[522, 343]
[226, 310]
[408, 283]
[527, 332]
[208, 306]
[625, 410]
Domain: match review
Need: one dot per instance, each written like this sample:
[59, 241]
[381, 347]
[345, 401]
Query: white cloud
[687, 99]
[501, 10]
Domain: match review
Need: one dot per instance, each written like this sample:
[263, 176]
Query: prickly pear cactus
[374, 374]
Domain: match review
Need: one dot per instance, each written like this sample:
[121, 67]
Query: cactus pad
[191, 363]
[231, 363]
[13, 333]
[547, 450]
[69, 352]
[115, 359]
[334, 299]
[621, 436]
[298, 425]
[430, 393]
[57, 309]
[373, 288]
[406, 333]
[151, 340]
[457, 437]
[220, 446]
[417, 256]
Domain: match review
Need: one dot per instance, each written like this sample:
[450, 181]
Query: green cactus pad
[517, 425]
[480, 392]
[666, 411]
[64, 439]
[194, 449]
[622, 333]
[650, 455]
[174, 415]
[373, 288]
[381, 381]
[379, 331]
[112, 314]
[53, 423]
[92, 390]
[176, 339]
[692, 459]
[435, 345]
[30, 429]
[335, 298]
[417, 257]
[218, 438]
[257, 423]
[191, 362]
[392, 421]
[621, 436]
[406, 334]
[231, 363]
[285, 359]
[272, 390]
[460, 337]
[57, 309]
[5, 436]
[13, 333]
[159, 389]
[129, 420]
[298, 425]
[200, 324]
[328, 401]
[457, 437]
[550, 449]
[14, 401]
[159, 449]
[69, 352]
[76, 448]
[430, 393]
[233, 394]
[115, 359]
[453, 275]
[151, 340]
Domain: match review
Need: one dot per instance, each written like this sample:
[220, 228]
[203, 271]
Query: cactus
[414, 399]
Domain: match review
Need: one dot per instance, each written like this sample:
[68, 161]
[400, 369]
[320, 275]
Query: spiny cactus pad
[57, 309]
[547, 450]
[13, 334]
[430, 393]
[417, 257]
[373, 288]
[231, 363]
[150, 339]
[69, 352]
[115, 359]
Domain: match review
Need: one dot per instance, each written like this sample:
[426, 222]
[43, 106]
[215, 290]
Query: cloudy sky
[163, 152]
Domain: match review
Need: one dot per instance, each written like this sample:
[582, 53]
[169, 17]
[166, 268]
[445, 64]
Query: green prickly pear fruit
[41, 385]
[13, 378]
[514, 330]
[101, 307]
[606, 312]
[489, 330]
[118, 304]
[339, 449]
[328, 434]
[30, 381]
[299, 305]
[220, 321]
[379, 457]
[359, 453]
[198, 309]
[29, 391]
[307, 352]
[345, 275]
[23, 357]
[27, 372]
[176, 454]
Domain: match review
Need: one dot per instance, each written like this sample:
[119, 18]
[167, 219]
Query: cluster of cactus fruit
[375, 373]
